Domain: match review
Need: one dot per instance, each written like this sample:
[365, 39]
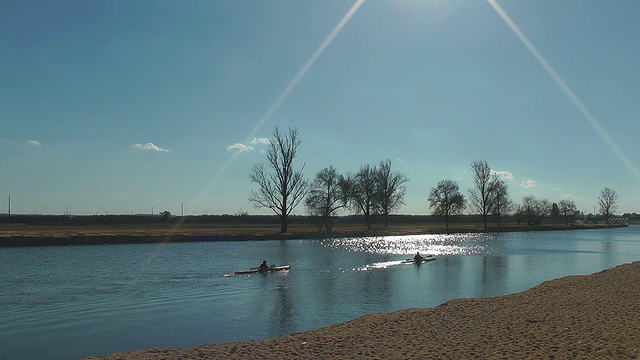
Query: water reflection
[284, 309]
[494, 273]
[175, 295]
[437, 244]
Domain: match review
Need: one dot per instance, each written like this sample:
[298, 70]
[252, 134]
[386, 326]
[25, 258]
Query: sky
[127, 107]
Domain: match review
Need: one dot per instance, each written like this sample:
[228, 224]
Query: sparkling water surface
[76, 301]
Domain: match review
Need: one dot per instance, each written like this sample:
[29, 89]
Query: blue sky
[116, 107]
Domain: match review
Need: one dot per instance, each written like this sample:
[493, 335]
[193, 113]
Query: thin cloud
[239, 148]
[149, 147]
[503, 174]
[34, 142]
[529, 184]
[571, 197]
[261, 141]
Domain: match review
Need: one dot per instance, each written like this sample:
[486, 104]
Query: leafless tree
[567, 207]
[480, 194]
[326, 196]
[535, 210]
[390, 190]
[361, 191]
[555, 213]
[500, 201]
[519, 212]
[280, 187]
[607, 201]
[445, 199]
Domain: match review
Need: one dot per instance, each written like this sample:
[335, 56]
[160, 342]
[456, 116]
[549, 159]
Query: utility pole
[9, 218]
[182, 209]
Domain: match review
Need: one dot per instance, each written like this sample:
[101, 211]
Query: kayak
[424, 260]
[255, 271]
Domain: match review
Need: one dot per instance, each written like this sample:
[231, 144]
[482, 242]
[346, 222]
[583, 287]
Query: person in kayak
[418, 258]
[263, 267]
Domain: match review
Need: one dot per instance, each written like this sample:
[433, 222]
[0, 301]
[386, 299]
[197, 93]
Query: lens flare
[566, 89]
[284, 94]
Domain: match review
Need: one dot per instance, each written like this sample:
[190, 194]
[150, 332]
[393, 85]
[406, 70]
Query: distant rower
[418, 258]
[263, 267]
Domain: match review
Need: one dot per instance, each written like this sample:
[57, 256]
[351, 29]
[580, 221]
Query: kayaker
[263, 267]
[418, 258]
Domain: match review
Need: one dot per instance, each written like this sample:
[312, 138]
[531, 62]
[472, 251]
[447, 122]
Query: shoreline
[18, 236]
[580, 316]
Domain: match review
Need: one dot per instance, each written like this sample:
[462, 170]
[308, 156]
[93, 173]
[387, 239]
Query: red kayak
[254, 271]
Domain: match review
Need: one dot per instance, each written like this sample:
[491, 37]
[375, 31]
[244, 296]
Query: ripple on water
[436, 244]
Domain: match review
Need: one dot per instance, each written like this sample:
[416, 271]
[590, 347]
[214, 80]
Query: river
[75, 301]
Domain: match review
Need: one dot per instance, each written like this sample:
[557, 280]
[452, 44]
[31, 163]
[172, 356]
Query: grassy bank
[48, 235]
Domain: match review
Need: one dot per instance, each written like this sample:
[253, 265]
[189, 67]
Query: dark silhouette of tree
[390, 190]
[280, 187]
[535, 210]
[519, 212]
[445, 199]
[480, 195]
[326, 196]
[555, 213]
[500, 200]
[567, 207]
[361, 191]
[607, 201]
[528, 208]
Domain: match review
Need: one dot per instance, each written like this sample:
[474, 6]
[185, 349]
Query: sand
[576, 317]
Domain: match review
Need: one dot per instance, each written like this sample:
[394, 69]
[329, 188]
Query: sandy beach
[577, 317]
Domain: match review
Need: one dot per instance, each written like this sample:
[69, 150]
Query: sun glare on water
[449, 244]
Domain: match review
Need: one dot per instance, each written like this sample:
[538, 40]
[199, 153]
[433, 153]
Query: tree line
[377, 190]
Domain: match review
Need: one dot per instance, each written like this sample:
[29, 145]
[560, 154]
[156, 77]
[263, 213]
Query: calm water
[72, 302]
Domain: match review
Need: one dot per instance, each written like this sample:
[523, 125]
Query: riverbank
[17, 235]
[593, 316]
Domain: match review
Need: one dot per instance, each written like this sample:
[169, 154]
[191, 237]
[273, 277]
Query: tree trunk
[283, 224]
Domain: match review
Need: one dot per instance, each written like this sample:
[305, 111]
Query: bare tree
[535, 210]
[607, 201]
[326, 196]
[480, 195]
[542, 209]
[500, 201]
[445, 199]
[519, 212]
[567, 207]
[555, 213]
[361, 191]
[280, 187]
[528, 208]
[390, 190]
